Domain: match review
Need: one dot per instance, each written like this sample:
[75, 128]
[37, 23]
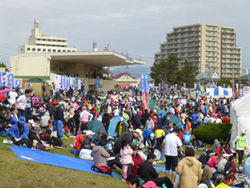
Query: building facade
[38, 43]
[212, 48]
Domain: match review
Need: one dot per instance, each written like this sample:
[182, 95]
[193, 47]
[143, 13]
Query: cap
[243, 131]
[89, 132]
[139, 132]
[22, 120]
[55, 103]
[152, 135]
[141, 146]
[226, 155]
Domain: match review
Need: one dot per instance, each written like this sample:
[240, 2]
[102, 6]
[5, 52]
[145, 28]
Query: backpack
[103, 169]
[121, 128]
[230, 178]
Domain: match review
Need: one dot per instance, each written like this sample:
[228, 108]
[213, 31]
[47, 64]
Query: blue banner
[224, 85]
[68, 82]
[74, 83]
[159, 87]
[184, 85]
[147, 83]
[166, 86]
[3, 78]
[195, 85]
[176, 85]
[18, 83]
[63, 82]
[153, 87]
[11, 81]
[143, 83]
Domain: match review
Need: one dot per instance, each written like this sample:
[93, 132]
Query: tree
[165, 71]
[187, 74]
[168, 71]
[225, 81]
[3, 65]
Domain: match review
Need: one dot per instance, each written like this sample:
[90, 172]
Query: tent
[96, 127]
[174, 119]
[240, 117]
[219, 92]
[113, 124]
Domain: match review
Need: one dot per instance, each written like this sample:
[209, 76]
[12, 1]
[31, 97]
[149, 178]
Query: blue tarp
[54, 159]
[247, 167]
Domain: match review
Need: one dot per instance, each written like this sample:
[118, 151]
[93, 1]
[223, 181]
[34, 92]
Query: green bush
[208, 133]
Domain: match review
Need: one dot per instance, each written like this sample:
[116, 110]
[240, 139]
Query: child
[126, 158]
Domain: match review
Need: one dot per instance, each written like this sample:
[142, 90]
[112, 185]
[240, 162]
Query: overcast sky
[136, 27]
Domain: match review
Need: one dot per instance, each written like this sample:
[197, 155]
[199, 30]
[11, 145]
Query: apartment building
[212, 48]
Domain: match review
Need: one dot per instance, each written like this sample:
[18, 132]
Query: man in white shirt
[12, 97]
[22, 102]
[172, 144]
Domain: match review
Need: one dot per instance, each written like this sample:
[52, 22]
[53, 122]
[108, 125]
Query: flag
[18, 83]
[159, 87]
[74, 83]
[166, 86]
[3, 78]
[11, 81]
[63, 84]
[68, 82]
[57, 85]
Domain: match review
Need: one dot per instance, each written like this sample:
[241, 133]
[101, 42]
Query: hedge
[207, 133]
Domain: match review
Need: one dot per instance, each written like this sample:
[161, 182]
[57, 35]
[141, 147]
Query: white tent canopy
[240, 117]
[219, 92]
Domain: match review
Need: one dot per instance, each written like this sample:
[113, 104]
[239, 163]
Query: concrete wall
[23, 65]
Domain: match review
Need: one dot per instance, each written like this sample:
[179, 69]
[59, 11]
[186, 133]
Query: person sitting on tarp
[100, 154]
[87, 142]
[78, 142]
[149, 138]
[19, 133]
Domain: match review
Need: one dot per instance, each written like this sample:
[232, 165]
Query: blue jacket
[13, 121]
[146, 136]
[14, 131]
[194, 118]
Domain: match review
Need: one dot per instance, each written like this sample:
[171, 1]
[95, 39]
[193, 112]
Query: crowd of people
[112, 129]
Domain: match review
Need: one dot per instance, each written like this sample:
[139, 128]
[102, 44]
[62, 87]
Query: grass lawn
[18, 173]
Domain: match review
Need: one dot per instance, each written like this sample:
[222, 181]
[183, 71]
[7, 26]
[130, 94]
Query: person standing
[22, 102]
[12, 97]
[240, 145]
[58, 120]
[85, 117]
[171, 145]
[189, 170]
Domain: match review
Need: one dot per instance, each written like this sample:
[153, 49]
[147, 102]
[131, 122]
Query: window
[38, 49]
[58, 50]
[28, 49]
[49, 50]
[33, 49]
[63, 50]
[69, 51]
[54, 50]
[44, 50]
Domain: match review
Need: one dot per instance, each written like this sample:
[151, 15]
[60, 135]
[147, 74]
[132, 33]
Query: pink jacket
[85, 116]
[126, 155]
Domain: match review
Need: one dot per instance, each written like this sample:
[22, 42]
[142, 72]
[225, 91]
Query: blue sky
[136, 27]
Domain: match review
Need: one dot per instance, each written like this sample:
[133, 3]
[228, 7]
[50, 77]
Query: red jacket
[78, 141]
[137, 161]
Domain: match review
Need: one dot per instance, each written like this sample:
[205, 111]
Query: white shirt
[21, 102]
[13, 96]
[171, 142]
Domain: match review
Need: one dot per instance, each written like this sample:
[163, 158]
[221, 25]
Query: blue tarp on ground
[54, 159]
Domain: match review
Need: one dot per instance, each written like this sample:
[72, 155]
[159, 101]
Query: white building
[38, 43]
[211, 47]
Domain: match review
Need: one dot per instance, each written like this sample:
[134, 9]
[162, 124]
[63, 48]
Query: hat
[141, 146]
[22, 120]
[226, 155]
[139, 132]
[55, 103]
[151, 136]
[243, 131]
[89, 132]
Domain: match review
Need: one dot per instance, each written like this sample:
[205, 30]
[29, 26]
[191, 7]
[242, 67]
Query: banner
[147, 83]
[79, 83]
[63, 82]
[11, 81]
[153, 87]
[74, 83]
[195, 85]
[68, 83]
[159, 87]
[3, 78]
[18, 83]
[166, 86]
[224, 85]
[57, 85]
[144, 92]
[184, 85]
[175, 86]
